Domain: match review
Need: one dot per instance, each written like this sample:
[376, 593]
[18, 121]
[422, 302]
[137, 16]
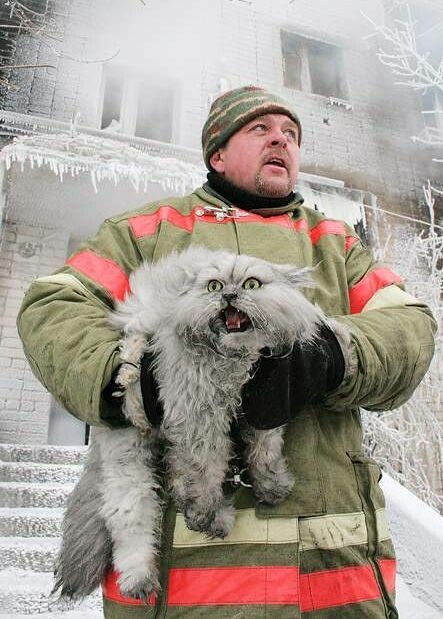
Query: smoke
[170, 38]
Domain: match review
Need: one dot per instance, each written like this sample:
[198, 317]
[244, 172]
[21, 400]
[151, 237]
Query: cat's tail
[86, 550]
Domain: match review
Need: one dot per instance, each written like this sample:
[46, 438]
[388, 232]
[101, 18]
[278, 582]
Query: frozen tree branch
[408, 442]
[42, 27]
[405, 60]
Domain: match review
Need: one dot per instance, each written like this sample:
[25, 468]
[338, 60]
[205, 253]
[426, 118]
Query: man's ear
[217, 162]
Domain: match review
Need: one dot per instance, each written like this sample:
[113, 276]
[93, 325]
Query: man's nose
[278, 137]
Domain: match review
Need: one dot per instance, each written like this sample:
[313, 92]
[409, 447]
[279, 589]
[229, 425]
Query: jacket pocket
[368, 475]
[379, 547]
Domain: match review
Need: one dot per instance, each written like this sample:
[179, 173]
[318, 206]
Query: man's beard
[269, 189]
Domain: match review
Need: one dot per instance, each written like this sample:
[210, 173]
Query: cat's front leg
[216, 520]
[271, 479]
[131, 508]
[197, 470]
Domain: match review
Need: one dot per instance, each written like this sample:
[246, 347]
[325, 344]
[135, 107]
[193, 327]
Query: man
[325, 551]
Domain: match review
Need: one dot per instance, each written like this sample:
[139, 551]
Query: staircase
[35, 482]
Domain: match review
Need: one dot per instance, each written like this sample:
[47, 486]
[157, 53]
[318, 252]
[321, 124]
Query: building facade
[145, 74]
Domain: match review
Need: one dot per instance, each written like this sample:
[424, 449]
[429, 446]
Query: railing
[13, 124]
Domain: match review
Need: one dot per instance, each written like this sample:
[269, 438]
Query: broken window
[137, 105]
[112, 100]
[313, 66]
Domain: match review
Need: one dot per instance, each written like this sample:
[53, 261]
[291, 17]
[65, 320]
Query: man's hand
[114, 394]
[282, 386]
[150, 393]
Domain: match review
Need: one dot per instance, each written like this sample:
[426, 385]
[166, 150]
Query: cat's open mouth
[235, 320]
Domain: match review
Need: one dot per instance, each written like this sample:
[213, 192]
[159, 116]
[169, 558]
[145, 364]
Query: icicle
[94, 184]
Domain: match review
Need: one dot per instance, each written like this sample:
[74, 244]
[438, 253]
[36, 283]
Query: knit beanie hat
[234, 109]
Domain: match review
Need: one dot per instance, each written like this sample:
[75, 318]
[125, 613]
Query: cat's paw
[139, 587]
[215, 522]
[275, 489]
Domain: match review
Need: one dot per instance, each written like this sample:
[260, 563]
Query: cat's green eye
[251, 284]
[214, 285]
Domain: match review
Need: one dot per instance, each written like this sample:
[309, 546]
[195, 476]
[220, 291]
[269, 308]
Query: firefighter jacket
[325, 552]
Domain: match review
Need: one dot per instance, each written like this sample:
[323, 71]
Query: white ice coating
[103, 159]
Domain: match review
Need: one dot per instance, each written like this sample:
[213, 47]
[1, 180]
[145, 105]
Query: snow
[417, 533]
[26, 592]
[410, 607]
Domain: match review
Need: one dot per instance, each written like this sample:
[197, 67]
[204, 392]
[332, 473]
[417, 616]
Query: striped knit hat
[234, 109]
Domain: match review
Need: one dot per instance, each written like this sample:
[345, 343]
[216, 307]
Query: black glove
[282, 386]
[149, 388]
[150, 393]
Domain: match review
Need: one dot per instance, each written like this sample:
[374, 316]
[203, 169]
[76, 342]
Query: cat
[206, 317]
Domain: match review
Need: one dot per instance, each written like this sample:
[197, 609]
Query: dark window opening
[136, 105]
[112, 99]
[313, 66]
[326, 70]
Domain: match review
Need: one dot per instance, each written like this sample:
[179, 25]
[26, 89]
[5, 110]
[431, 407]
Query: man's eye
[252, 284]
[214, 285]
[259, 127]
[291, 133]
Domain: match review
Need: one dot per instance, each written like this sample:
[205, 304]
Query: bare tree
[413, 67]
[41, 21]
[408, 442]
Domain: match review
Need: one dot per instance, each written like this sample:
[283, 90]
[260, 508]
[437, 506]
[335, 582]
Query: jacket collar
[249, 201]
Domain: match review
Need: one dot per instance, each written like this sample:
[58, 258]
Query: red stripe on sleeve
[365, 289]
[103, 271]
[301, 225]
[350, 241]
[328, 226]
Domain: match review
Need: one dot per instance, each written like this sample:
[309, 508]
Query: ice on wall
[103, 158]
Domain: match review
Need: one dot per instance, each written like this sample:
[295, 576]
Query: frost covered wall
[193, 46]
[26, 253]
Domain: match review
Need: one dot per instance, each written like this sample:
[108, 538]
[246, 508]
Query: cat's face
[222, 300]
[233, 302]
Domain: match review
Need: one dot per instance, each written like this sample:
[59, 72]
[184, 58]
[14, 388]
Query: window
[313, 66]
[137, 105]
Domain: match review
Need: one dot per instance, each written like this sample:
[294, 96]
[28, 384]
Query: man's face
[262, 157]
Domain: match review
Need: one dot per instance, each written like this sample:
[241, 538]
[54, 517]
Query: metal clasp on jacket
[236, 479]
[221, 212]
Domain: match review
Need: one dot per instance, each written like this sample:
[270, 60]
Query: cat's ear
[300, 277]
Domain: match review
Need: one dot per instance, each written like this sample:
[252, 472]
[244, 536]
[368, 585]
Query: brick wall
[24, 403]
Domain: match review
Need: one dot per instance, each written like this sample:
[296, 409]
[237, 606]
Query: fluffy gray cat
[205, 316]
